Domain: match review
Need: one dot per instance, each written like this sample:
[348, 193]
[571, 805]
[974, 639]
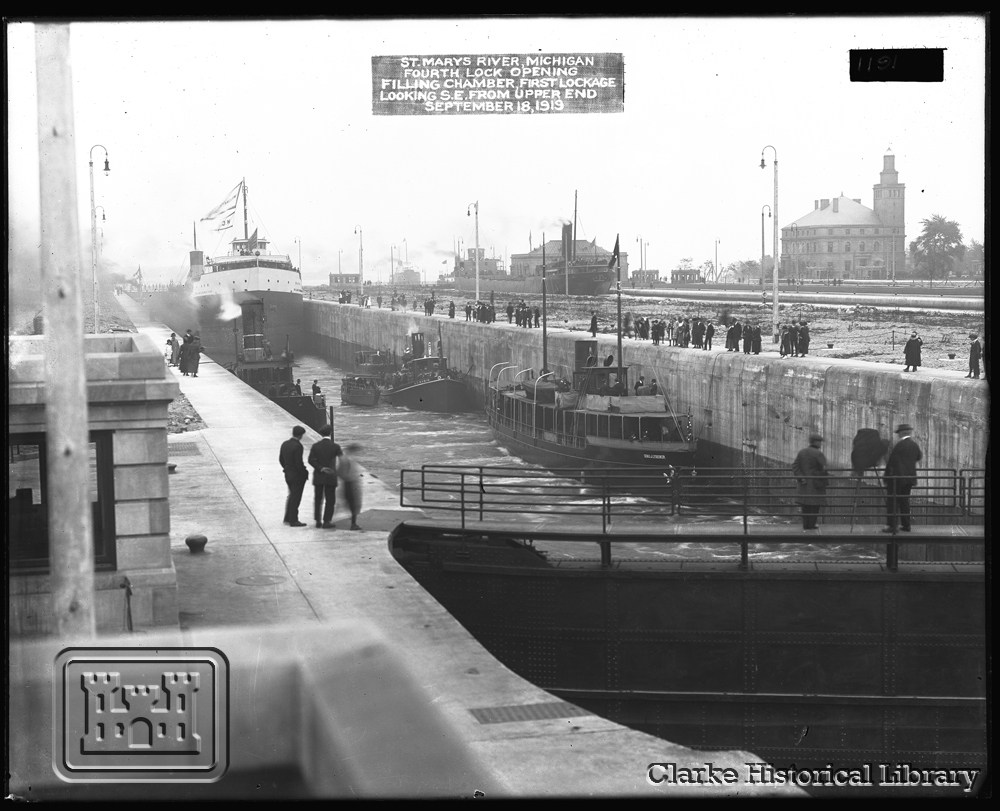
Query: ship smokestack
[197, 265]
[567, 241]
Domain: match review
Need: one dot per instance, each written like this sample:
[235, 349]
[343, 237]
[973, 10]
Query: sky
[186, 109]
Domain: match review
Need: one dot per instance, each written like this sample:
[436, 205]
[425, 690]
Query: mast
[545, 341]
[246, 227]
[618, 289]
[194, 230]
[574, 225]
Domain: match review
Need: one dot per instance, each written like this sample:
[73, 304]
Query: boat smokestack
[197, 265]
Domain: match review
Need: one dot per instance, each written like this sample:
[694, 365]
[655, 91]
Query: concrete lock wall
[748, 410]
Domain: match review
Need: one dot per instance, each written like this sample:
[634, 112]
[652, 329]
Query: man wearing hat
[911, 352]
[900, 478]
[809, 468]
[975, 353]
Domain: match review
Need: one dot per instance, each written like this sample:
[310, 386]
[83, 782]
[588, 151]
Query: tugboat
[272, 375]
[427, 383]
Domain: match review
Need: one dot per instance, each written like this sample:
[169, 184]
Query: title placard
[498, 84]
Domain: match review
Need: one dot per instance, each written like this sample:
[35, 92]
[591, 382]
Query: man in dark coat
[811, 474]
[194, 355]
[322, 458]
[900, 478]
[709, 332]
[911, 352]
[296, 475]
[975, 353]
[803, 338]
[593, 323]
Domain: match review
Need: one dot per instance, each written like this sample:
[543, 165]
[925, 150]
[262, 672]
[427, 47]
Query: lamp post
[774, 211]
[340, 253]
[716, 266]
[93, 227]
[361, 254]
[641, 263]
[762, 254]
[100, 237]
[793, 267]
[468, 211]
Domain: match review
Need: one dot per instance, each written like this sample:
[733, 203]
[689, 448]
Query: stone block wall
[128, 393]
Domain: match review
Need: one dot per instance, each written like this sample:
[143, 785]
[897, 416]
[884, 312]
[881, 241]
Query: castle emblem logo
[138, 715]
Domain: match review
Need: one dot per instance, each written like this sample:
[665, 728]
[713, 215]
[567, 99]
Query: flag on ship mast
[252, 244]
[614, 255]
[226, 208]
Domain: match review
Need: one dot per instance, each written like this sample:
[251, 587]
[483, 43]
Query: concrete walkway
[256, 571]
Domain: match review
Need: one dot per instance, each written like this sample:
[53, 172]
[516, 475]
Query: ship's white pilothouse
[248, 267]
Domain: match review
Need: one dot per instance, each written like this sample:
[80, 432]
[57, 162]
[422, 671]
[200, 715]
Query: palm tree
[937, 248]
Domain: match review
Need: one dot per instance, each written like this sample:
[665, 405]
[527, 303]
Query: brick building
[843, 239]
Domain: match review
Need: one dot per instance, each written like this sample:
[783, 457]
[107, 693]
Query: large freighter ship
[569, 269]
[573, 268]
[217, 289]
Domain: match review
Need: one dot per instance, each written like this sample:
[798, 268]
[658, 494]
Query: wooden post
[71, 544]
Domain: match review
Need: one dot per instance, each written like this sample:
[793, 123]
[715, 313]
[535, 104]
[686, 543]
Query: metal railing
[638, 503]
[940, 496]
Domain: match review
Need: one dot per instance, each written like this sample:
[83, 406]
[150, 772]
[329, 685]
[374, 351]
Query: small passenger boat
[360, 390]
[591, 421]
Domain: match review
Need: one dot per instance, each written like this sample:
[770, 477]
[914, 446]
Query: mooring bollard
[196, 543]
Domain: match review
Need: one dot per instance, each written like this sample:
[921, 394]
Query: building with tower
[843, 239]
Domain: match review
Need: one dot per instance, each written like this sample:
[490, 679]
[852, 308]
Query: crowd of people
[686, 332]
[185, 354]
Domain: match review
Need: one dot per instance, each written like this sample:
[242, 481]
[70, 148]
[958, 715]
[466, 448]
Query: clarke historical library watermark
[483, 84]
[130, 715]
[897, 775]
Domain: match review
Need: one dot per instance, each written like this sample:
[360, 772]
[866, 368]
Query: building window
[861, 247]
[848, 232]
[847, 246]
[28, 501]
[829, 232]
[829, 247]
[876, 247]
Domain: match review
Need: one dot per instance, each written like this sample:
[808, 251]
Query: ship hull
[447, 396]
[304, 409]
[360, 398]
[594, 282]
[214, 319]
[545, 449]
